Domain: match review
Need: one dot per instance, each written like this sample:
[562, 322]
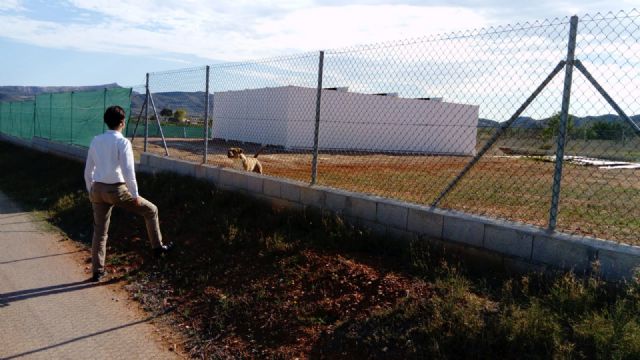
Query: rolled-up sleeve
[128, 170]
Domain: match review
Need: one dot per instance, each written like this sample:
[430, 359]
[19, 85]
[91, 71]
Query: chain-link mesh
[176, 109]
[467, 121]
[136, 121]
[442, 99]
[600, 193]
[266, 107]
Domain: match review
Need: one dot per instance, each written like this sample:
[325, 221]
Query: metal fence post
[19, 119]
[104, 109]
[35, 108]
[564, 117]
[146, 115]
[206, 118]
[314, 162]
[71, 117]
[50, 115]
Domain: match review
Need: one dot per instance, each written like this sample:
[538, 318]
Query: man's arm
[128, 171]
[89, 167]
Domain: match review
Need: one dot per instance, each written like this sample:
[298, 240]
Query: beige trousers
[103, 198]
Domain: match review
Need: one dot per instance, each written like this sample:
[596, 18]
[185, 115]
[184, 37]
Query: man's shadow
[8, 298]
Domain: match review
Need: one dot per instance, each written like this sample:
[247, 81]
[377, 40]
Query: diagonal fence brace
[164, 142]
[499, 133]
[578, 64]
[133, 136]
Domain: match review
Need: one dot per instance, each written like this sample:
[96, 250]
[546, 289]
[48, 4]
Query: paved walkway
[49, 311]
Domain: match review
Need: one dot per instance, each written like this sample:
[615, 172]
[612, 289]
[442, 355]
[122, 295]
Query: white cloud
[232, 30]
[11, 5]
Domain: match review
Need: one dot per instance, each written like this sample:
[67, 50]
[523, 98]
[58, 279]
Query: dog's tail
[260, 150]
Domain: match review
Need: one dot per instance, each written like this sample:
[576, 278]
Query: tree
[552, 127]
[606, 131]
[180, 115]
[166, 112]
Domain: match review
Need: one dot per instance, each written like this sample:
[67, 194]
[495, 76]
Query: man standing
[111, 181]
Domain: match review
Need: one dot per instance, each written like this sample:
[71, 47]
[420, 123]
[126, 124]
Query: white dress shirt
[110, 161]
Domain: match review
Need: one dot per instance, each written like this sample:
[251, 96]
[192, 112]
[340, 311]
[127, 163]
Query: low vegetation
[253, 281]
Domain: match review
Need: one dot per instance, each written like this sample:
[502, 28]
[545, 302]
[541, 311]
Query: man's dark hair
[113, 116]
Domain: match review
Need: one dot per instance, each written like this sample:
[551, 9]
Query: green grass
[254, 281]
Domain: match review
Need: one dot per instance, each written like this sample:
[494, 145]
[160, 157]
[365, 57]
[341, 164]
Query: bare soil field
[594, 202]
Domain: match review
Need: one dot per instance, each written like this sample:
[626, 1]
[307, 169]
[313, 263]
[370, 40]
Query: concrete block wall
[485, 240]
[65, 150]
[489, 241]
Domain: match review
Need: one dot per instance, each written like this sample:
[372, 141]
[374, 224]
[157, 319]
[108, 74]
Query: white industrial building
[285, 116]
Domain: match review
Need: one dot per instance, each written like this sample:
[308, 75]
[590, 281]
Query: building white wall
[257, 115]
[348, 121]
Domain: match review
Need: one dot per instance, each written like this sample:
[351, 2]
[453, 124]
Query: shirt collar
[114, 132]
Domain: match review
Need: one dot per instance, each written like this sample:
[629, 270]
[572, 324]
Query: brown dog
[240, 160]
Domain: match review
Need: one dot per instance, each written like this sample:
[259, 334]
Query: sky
[91, 42]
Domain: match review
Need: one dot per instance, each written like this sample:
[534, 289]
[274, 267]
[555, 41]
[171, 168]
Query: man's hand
[138, 201]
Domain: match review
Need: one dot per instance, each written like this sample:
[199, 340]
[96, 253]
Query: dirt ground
[593, 202]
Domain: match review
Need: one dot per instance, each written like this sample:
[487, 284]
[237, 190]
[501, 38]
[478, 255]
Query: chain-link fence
[535, 123]
[70, 117]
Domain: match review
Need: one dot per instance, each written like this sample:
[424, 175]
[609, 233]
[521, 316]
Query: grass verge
[250, 280]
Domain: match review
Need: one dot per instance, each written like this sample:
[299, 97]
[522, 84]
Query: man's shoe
[164, 249]
[97, 276]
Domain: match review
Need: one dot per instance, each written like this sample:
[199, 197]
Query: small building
[285, 116]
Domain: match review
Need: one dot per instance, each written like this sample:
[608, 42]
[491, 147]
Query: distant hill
[16, 93]
[579, 122]
[523, 122]
[193, 102]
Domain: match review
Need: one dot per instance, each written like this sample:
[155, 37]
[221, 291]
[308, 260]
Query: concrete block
[229, 179]
[280, 204]
[618, 265]
[81, 151]
[518, 266]
[312, 196]
[362, 208]
[212, 173]
[561, 253]
[392, 214]
[271, 187]
[335, 201]
[144, 159]
[481, 259]
[401, 235]
[240, 180]
[508, 241]
[183, 167]
[255, 184]
[201, 171]
[375, 228]
[425, 222]
[290, 191]
[158, 162]
[463, 230]
[142, 168]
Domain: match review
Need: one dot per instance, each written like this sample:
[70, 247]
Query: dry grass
[594, 202]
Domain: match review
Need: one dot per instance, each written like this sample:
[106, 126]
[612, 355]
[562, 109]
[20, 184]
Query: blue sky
[88, 42]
